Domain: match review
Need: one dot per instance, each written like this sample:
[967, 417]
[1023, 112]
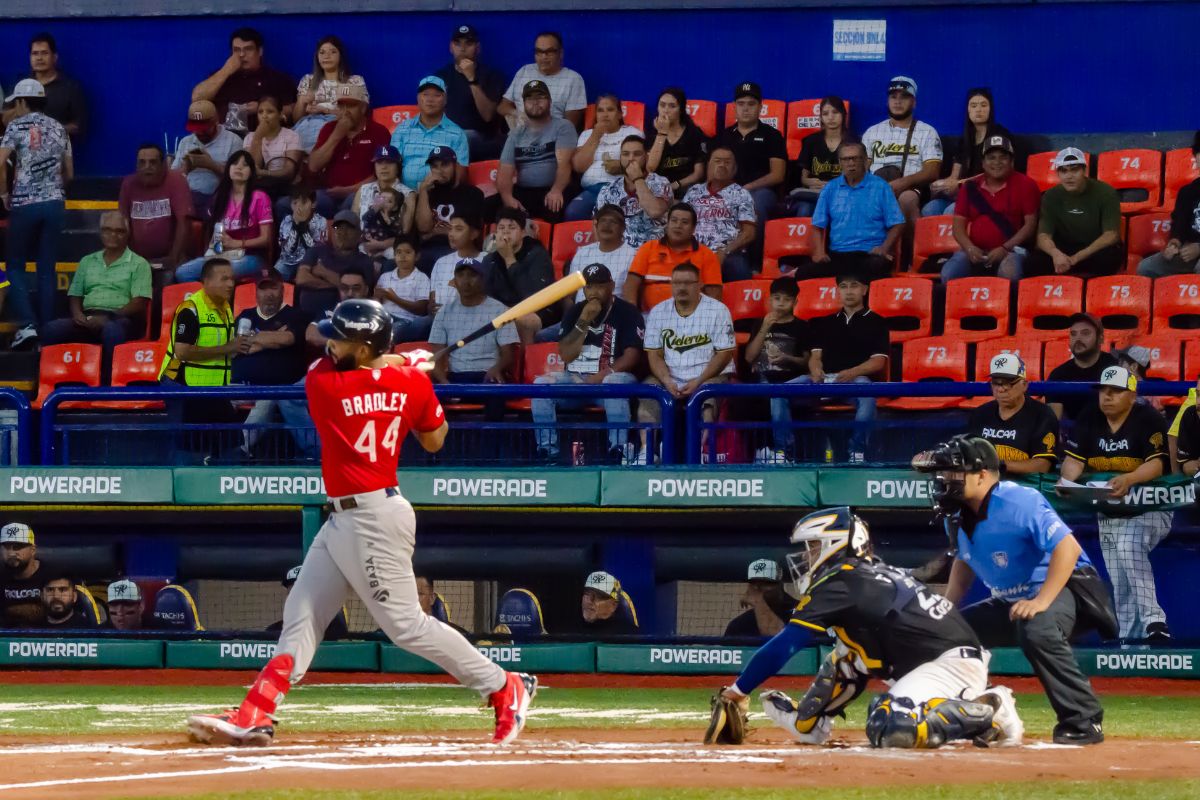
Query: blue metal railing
[23, 429]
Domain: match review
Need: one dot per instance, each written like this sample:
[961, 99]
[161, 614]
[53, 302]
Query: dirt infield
[90, 767]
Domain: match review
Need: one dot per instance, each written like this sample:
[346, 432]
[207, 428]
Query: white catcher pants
[949, 675]
[1126, 543]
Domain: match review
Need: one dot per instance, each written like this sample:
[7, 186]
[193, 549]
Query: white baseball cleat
[784, 712]
[1012, 729]
[221, 729]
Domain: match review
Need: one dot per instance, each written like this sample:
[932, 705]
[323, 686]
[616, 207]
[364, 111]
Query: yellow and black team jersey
[1030, 433]
[1187, 429]
[1141, 437]
[894, 622]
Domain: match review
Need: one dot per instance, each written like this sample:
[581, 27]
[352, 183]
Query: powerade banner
[25, 653]
[85, 485]
[330, 656]
[690, 659]
[301, 486]
[1162, 494]
[501, 487]
[874, 488]
[641, 488]
[526, 657]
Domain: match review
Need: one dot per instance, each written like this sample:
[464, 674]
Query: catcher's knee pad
[837, 683]
[898, 722]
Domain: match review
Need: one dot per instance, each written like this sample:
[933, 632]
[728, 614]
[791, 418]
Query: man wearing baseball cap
[22, 578]
[1129, 438]
[417, 136]
[321, 270]
[1088, 359]
[440, 197]
[1079, 231]
[473, 91]
[601, 606]
[768, 606]
[1024, 431]
[341, 160]
[564, 87]
[758, 148]
[601, 344]
[126, 607]
[995, 218]
[535, 165]
[201, 155]
[904, 151]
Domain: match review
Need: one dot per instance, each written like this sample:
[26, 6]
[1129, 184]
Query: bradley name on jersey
[374, 402]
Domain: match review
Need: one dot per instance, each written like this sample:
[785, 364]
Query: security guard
[1023, 431]
[202, 344]
[1044, 588]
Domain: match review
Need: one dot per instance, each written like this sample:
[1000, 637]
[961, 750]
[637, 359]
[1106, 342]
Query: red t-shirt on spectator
[154, 211]
[1016, 199]
[351, 162]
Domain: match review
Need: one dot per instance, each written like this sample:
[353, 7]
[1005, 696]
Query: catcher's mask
[827, 536]
[949, 463]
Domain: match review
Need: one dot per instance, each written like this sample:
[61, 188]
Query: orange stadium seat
[1029, 348]
[1040, 167]
[541, 359]
[816, 297]
[1166, 355]
[1180, 171]
[172, 296]
[1126, 170]
[773, 113]
[1120, 302]
[704, 114]
[931, 358]
[61, 364]
[1176, 305]
[391, 116]
[1147, 235]
[906, 303]
[633, 112]
[803, 120]
[482, 175]
[244, 296]
[790, 236]
[977, 308]
[1191, 360]
[932, 236]
[568, 237]
[746, 300]
[1045, 304]
[135, 364]
[655, 293]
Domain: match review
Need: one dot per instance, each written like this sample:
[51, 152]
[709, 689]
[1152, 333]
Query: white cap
[123, 592]
[26, 88]
[16, 533]
[1070, 157]
[763, 569]
[1118, 377]
[1007, 365]
[604, 583]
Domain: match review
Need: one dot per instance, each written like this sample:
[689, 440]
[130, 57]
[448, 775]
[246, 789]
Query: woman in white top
[316, 94]
[598, 155]
[275, 149]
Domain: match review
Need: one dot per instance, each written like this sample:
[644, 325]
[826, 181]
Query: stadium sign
[509, 487]
[530, 657]
[216, 486]
[84, 485]
[690, 660]
[1146, 663]
[895, 488]
[79, 653]
[639, 488]
[333, 656]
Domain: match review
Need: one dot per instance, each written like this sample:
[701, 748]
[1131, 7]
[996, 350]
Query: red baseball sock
[270, 687]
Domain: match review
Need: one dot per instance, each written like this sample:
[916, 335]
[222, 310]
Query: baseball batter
[363, 404]
[887, 625]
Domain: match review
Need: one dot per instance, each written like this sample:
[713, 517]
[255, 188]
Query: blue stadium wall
[1054, 68]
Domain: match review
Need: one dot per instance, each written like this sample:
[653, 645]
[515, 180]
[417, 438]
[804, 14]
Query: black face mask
[947, 498]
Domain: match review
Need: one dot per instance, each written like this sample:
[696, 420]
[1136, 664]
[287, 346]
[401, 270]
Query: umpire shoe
[784, 712]
[1158, 633]
[1009, 727]
[1091, 733]
[222, 729]
[512, 704]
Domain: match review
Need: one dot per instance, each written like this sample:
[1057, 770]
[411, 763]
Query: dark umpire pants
[1045, 641]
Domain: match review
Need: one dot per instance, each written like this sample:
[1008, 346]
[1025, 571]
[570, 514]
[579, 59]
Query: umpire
[1044, 588]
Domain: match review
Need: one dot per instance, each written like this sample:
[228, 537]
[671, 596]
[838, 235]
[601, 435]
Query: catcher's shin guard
[836, 684]
[267, 691]
[898, 722]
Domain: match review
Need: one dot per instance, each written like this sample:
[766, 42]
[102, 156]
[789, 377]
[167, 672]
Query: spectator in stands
[642, 197]
[1079, 231]
[850, 346]
[857, 221]
[1123, 436]
[44, 166]
[386, 164]
[300, 231]
[126, 608]
[440, 196]
[417, 136]
[597, 156]
[201, 155]
[465, 239]
[242, 231]
[1024, 431]
[601, 608]
[1136, 359]
[110, 293]
[157, 202]
[995, 218]
[22, 579]
[903, 151]
[350, 286]
[59, 602]
[758, 148]
[1183, 437]
[316, 94]
[383, 224]
[778, 352]
[486, 360]
[602, 345]
[473, 92]
[1181, 256]
[343, 156]
[276, 151]
[818, 162]
[65, 102]
[655, 262]
[608, 247]
[768, 606]
[338, 628]
[689, 343]
[202, 344]
[564, 87]
[236, 87]
[322, 266]
[1088, 361]
[979, 129]
[679, 146]
[725, 220]
[518, 267]
[535, 166]
[404, 292]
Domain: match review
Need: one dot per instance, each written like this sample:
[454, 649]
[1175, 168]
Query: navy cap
[386, 153]
[596, 274]
[535, 87]
[467, 32]
[747, 89]
[442, 153]
[472, 264]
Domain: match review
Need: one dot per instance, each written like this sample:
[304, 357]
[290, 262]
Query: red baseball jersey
[362, 417]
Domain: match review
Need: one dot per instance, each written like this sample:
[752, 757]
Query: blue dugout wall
[1054, 68]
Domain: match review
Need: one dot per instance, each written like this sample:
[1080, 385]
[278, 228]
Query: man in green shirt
[109, 296]
[1079, 232]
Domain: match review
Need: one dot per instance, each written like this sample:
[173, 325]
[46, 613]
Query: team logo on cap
[1000, 559]
[760, 567]
[463, 29]
[1110, 374]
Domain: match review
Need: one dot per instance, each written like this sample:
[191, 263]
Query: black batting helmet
[363, 321]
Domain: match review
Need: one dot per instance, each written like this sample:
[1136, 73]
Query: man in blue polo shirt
[857, 221]
[417, 136]
[1044, 588]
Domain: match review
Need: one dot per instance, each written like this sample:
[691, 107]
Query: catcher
[887, 625]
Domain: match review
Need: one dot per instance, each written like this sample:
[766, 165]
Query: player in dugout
[768, 606]
[1024, 431]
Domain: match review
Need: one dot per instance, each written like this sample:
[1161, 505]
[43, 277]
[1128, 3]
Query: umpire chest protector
[216, 328]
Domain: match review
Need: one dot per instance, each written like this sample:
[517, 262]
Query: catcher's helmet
[960, 454]
[363, 321]
[829, 537]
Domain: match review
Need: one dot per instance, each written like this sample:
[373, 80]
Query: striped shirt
[688, 343]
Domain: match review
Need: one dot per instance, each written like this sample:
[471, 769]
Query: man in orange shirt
[655, 260]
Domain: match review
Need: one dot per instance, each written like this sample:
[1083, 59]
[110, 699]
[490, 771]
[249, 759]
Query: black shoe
[1090, 733]
[1158, 633]
[544, 457]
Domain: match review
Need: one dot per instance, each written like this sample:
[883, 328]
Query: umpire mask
[949, 464]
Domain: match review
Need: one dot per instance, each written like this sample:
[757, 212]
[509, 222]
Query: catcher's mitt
[727, 725]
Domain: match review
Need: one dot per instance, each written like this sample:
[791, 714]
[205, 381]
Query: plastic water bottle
[243, 327]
